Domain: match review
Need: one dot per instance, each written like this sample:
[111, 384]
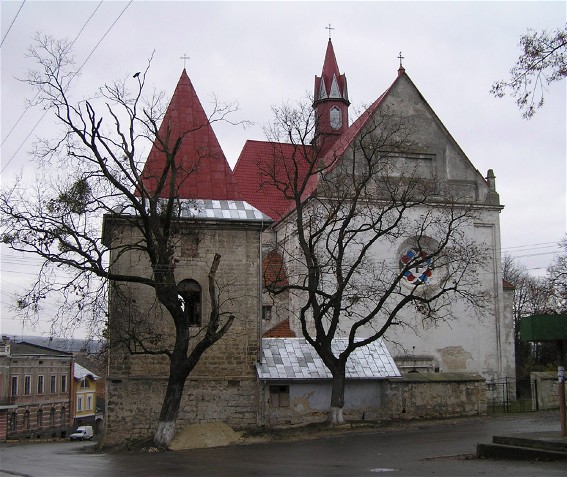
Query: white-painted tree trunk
[336, 416]
[164, 434]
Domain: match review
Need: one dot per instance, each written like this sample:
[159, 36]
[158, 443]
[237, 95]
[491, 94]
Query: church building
[246, 216]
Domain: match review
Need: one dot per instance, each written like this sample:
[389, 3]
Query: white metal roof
[296, 359]
[80, 372]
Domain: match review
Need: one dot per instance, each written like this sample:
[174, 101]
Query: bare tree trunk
[170, 409]
[337, 398]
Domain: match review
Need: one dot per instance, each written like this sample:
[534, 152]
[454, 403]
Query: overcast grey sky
[262, 54]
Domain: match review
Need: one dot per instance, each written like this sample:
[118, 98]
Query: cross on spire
[330, 28]
[184, 58]
[400, 58]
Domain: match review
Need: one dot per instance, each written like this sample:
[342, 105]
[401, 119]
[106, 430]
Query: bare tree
[557, 273]
[93, 169]
[542, 61]
[345, 207]
[532, 295]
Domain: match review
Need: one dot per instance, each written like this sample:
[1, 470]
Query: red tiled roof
[202, 169]
[257, 157]
[281, 330]
[260, 166]
[274, 270]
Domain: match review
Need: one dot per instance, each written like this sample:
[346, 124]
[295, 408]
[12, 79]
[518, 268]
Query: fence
[509, 395]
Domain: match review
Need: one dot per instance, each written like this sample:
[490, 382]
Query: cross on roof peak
[330, 28]
[400, 57]
[184, 58]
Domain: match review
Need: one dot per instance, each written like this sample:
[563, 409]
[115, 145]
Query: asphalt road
[441, 448]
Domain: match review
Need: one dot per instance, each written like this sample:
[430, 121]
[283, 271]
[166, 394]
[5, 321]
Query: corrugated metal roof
[295, 359]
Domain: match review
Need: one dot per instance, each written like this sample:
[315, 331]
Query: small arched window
[336, 118]
[190, 296]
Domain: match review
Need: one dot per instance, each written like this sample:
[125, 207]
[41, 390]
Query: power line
[11, 24]
[37, 94]
[75, 74]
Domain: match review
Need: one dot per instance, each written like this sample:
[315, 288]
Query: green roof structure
[543, 328]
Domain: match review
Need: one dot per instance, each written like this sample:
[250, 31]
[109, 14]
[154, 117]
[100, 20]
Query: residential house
[85, 396]
[35, 391]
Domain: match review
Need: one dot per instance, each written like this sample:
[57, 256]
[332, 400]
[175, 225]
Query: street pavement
[439, 448]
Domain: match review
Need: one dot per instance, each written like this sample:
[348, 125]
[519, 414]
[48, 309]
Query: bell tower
[330, 103]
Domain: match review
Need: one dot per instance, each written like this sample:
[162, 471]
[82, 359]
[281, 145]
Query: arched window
[52, 417]
[63, 416]
[190, 297]
[26, 419]
[39, 419]
[336, 119]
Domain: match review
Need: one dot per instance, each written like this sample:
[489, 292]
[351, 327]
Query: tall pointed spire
[330, 102]
[202, 171]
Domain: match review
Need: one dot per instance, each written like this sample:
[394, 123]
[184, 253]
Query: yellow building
[84, 396]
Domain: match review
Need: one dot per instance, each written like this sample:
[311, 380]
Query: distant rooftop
[80, 372]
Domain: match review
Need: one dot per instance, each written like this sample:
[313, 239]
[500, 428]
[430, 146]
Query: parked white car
[82, 433]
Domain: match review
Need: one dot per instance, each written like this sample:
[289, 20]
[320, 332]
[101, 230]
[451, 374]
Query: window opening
[279, 396]
[13, 417]
[189, 293]
[267, 312]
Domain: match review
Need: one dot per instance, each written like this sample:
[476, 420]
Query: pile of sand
[213, 434]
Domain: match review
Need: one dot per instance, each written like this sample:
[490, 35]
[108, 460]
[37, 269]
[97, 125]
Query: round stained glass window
[422, 271]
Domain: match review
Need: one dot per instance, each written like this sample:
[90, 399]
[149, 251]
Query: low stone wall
[414, 396]
[431, 395]
[134, 404]
[545, 390]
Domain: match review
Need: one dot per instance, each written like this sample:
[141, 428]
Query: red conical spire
[331, 84]
[330, 102]
[202, 171]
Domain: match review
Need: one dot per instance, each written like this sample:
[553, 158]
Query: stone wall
[414, 396]
[134, 405]
[431, 395]
[545, 390]
[222, 386]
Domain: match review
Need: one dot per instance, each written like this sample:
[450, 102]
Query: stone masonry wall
[430, 395]
[222, 387]
[134, 405]
[414, 396]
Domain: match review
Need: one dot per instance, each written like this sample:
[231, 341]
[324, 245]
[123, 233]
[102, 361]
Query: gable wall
[464, 341]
